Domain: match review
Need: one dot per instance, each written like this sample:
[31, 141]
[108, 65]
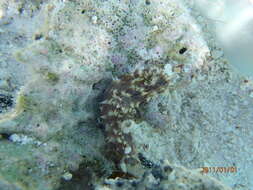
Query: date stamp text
[232, 169]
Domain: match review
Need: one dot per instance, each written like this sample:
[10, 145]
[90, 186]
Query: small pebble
[94, 19]
[128, 150]
[168, 69]
[155, 28]
[67, 176]
[251, 94]
[1, 13]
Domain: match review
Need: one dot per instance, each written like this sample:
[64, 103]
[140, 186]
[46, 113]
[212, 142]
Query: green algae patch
[49, 76]
[26, 103]
[52, 77]
[17, 167]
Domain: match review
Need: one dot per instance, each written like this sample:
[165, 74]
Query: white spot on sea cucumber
[155, 28]
[128, 149]
[111, 113]
[67, 176]
[103, 116]
[125, 94]
[168, 69]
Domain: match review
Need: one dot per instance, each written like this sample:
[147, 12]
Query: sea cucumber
[122, 101]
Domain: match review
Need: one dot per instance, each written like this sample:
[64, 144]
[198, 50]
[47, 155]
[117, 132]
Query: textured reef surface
[108, 94]
[164, 176]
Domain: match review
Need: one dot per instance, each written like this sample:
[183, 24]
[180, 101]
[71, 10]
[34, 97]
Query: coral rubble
[173, 96]
[163, 177]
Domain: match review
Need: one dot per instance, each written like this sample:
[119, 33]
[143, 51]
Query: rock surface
[165, 177]
[57, 59]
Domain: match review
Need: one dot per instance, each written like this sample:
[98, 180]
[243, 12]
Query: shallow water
[232, 22]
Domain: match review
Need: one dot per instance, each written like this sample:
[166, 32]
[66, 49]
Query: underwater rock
[56, 59]
[163, 177]
[5, 102]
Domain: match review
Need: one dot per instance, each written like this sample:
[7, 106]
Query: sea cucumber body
[122, 102]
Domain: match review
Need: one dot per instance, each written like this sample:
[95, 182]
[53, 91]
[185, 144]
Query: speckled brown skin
[121, 103]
